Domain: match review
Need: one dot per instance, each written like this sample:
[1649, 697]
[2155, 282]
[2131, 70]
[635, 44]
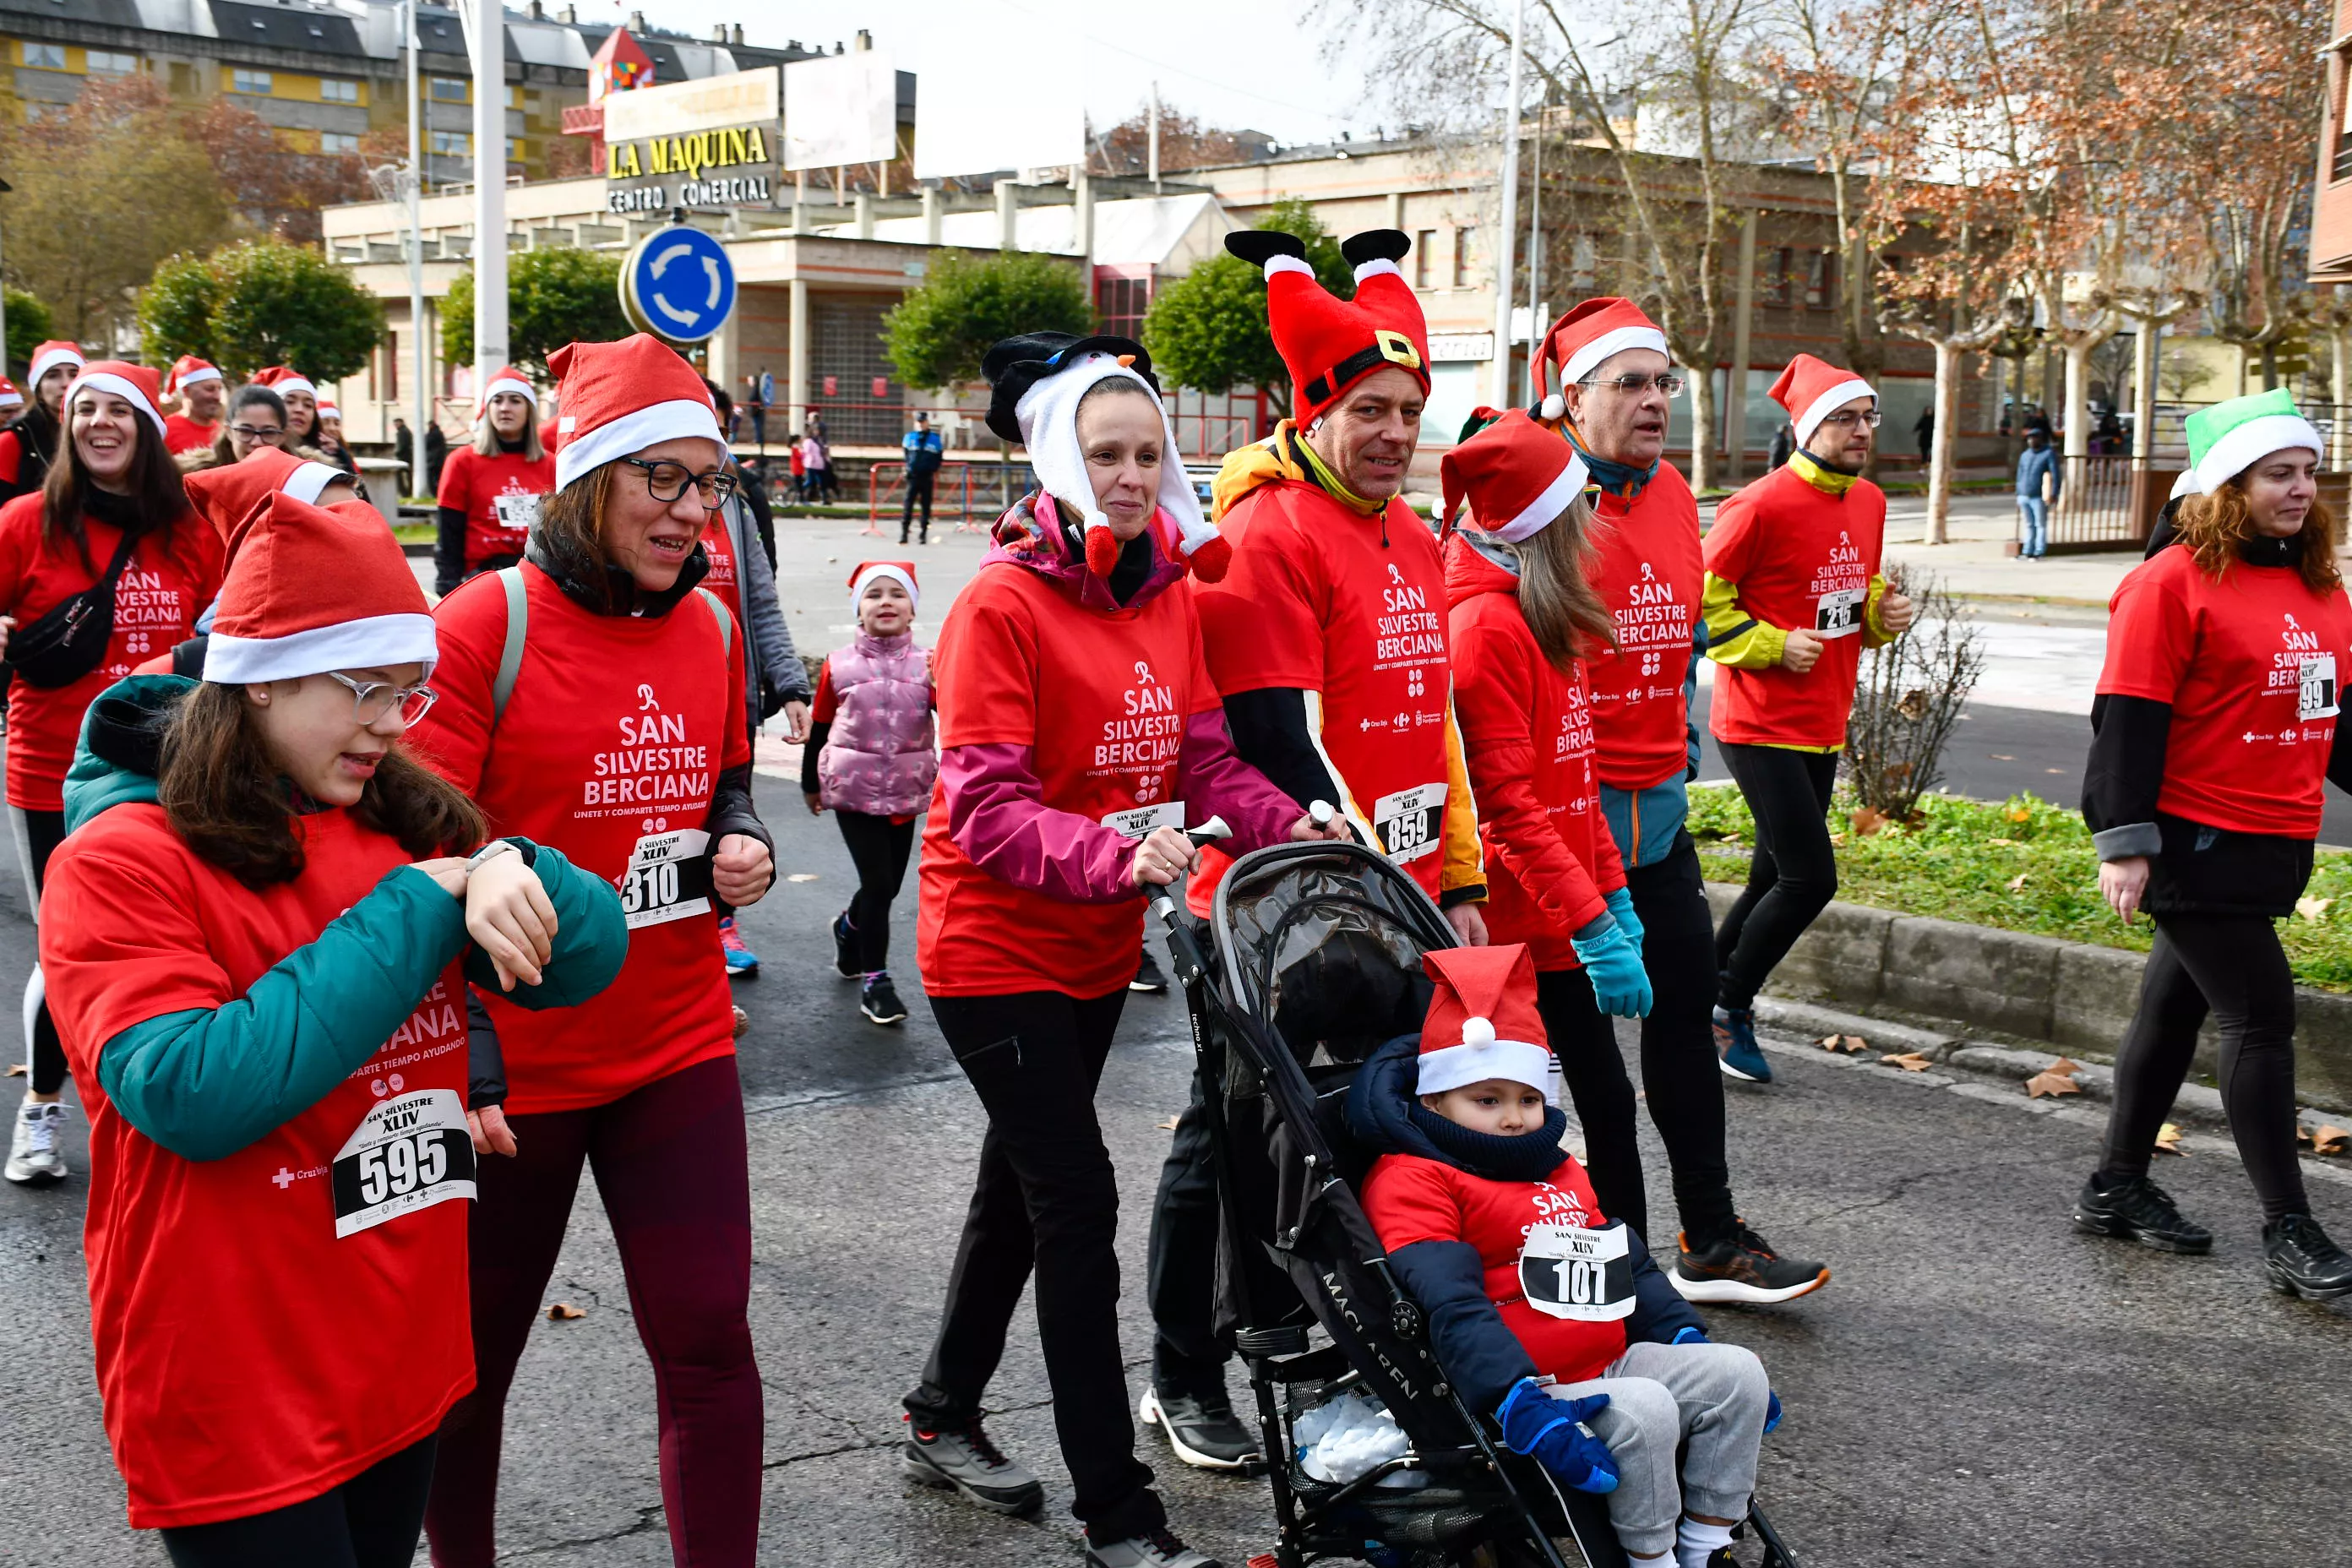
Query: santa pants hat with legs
[1328, 345]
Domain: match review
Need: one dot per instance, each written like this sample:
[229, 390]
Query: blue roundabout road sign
[678, 283]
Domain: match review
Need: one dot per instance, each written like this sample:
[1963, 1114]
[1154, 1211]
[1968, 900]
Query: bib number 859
[649, 887]
[401, 1166]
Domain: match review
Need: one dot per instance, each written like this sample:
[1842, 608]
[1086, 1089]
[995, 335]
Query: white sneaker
[33, 1154]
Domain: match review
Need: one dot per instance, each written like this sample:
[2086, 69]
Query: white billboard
[843, 108]
[969, 121]
[682, 108]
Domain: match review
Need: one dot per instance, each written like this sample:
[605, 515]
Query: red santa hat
[1482, 1022]
[9, 396]
[48, 356]
[509, 380]
[314, 589]
[281, 380]
[1811, 389]
[866, 571]
[185, 372]
[1586, 338]
[620, 398]
[327, 409]
[1517, 476]
[134, 384]
[1328, 345]
[224, 495]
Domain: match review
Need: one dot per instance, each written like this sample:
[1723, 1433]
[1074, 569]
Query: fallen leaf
[2168, 1140]
[1867, 820]
[1914, 706]
[1837, 838]
[563, 1312]
[2058, 1079]
[2329, 1139]
[2060, 771]
[2004, 843]
[2001, 756]
[2019, 813]
[2017, 883]
[16, 1069]
[2312, 910]
[1909, 1061]
[1851, 1045]
[1167, 1126]
[801, 876]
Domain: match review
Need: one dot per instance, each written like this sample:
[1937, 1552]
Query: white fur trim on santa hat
[49, 362]
[883, 569]
[375, 642]
[201, 372]
[307, 482]
[1274, 264]
[503, 382]
[11, 398]
[1048, 412]
[1607, 346]
[121, 386]
[591, 449]
[1545, 510]
[1377, 267]
[2186, 485]
[2245, 445]
[1827, 404]
[1456, 1067]
[285, 384]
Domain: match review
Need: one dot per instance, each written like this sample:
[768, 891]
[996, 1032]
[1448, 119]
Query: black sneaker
[2301, 1260]
[879, 1002]
[1147, 977]
[2136, 1209]
[1205, 1433]
[964, 1460]
[845, 955]
[1744, 1269]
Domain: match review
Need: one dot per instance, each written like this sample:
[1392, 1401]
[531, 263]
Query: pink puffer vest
[878, 758]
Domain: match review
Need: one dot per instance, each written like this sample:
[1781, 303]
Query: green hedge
[2025, 865]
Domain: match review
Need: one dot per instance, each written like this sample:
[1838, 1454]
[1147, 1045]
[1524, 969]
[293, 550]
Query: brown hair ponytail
[1556, 596]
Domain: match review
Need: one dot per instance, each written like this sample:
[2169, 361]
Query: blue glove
[1621, 905]
[1613, 963]
[1689, 1336]
[1552, 1433]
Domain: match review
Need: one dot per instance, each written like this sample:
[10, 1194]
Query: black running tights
[878, 849]
[2233, 966]
[1791, 876]
[43, 832]
[371, 1520]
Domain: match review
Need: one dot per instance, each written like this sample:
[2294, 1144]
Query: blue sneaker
[1735, 1042]
[845, 955]
[740, 960]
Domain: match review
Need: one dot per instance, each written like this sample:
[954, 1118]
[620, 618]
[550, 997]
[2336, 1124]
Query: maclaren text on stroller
[1315, 963]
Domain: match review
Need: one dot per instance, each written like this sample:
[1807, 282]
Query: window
[45, 57]
[107, 63]
[453, 144]
[517, 149]
[447, 89]
[514, 97]
[258, 82]
[338, 141]
[1778, 265]
[1465, 241]
[183, 80]
[1821, 279]
[1120, 304]
[332, 89]
[1424, 246]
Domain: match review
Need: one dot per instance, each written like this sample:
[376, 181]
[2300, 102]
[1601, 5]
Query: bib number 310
[668, 879]
[408, 1153]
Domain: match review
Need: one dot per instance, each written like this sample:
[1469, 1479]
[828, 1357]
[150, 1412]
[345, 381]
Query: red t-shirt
[2251, 667]
[1102, 699]
[1648, 571]
[1409, 1199]
[479, 486]
[181, 434]
[721, 579]
[248, 1355]
[1803, 559]
[163, 587]
[611, 745]
[1322, 598]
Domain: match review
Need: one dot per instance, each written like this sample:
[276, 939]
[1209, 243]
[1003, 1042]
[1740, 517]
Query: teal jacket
[1648, 824]
[206, 1082]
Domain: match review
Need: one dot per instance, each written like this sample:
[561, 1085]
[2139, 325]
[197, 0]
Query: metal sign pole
[489, 48]
[420, 390]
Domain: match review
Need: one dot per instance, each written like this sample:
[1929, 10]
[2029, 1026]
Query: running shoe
[1205, 1433]
[1735, 1043]
[32, 1156]
[1153, 1549]
[879, 1001]
[1147, 977]
[2136, 1209]
[2301, 1260]
[1744, 1267]
[965, 1461]
[740, 960]
[847, 961]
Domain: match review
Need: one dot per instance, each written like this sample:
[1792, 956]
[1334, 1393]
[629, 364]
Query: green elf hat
[2228, 438]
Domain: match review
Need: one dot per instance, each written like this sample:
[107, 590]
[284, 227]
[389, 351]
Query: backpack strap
[726, 622]
[518, 631]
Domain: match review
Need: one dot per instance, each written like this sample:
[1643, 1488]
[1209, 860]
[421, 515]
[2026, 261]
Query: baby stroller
[1316, 963]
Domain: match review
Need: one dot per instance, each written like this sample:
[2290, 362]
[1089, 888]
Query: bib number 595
[402, 1165]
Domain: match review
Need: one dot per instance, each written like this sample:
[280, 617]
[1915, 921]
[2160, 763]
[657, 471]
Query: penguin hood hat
[2230, 438]
[1482, 1021]
[620, 398]
[314, 589]
[1588, 337]
[185, 372]
[1328, 345]
[1037, 382]
[1517, 476]
[1813, 389]
[867, 570]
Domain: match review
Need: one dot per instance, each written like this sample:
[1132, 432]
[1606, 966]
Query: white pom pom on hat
[1478, 1032]
[1482, 1022]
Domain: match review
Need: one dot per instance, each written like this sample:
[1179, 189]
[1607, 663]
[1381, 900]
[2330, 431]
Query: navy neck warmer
[1617, 479]
[1529, 1157]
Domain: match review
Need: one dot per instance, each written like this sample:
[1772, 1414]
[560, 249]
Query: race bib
[409, 1152]
[1138, 822]
[668, 877]
[518, 513]
[1838, 614]
[2315, 692]
[1407, 821]
[1569, 1271]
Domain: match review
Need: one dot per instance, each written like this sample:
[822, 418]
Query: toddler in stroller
[1540, 1310]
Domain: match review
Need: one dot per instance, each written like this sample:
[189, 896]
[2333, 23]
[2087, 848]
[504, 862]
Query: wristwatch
[486, 853]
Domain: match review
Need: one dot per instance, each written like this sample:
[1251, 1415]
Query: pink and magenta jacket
[878, 756]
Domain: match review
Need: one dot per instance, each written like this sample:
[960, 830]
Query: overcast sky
[1233, 63]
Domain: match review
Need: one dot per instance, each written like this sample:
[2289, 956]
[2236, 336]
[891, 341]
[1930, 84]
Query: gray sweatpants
[1658, 1395]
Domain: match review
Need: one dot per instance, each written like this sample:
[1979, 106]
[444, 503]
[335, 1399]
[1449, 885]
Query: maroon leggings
[671, 1164]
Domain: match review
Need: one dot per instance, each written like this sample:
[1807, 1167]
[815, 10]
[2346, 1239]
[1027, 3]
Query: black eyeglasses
[665, 481]
[256, 432]
[1869, 418]
[1636, 385]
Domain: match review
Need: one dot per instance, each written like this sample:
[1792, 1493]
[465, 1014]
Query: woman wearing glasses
[492, 490]
[259, 942]
[591, 700]
[256, 419]
[1793, 595]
